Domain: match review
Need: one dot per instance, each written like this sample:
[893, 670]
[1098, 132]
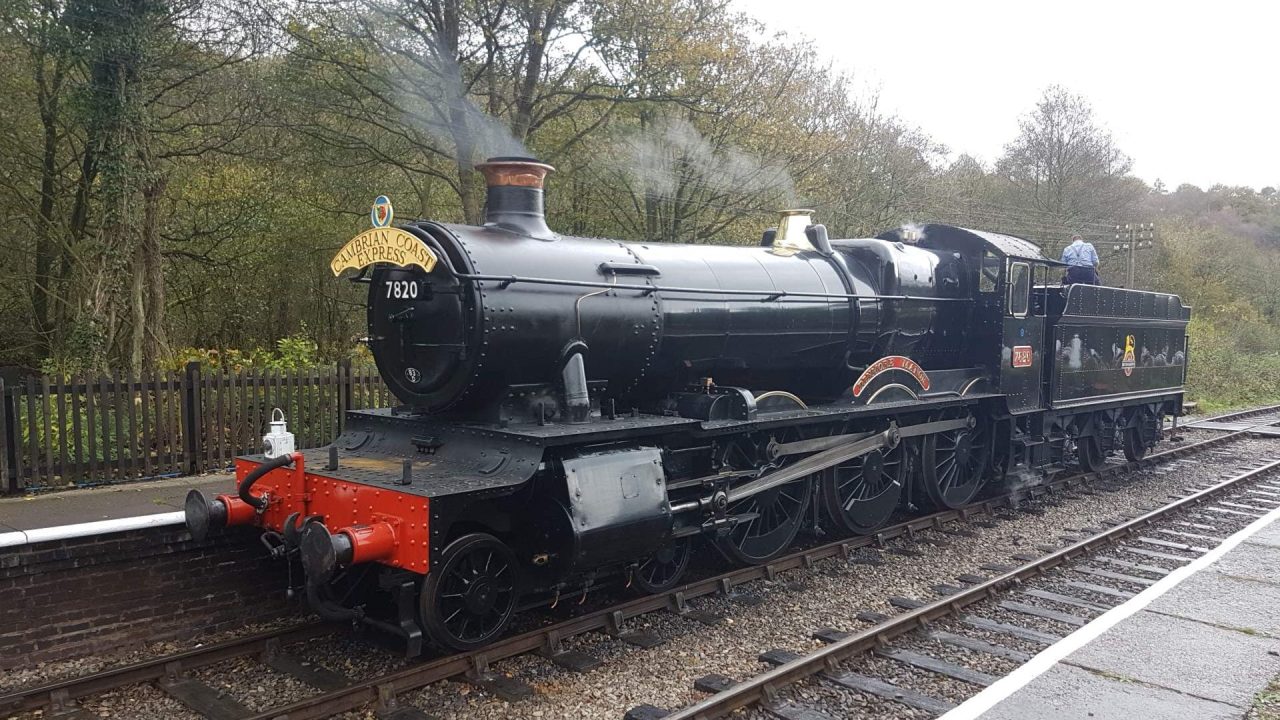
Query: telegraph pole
[1130, 237]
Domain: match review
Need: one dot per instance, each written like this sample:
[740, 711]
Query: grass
[1266, 704]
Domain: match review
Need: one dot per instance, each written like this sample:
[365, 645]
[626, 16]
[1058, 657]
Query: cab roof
[937, 236]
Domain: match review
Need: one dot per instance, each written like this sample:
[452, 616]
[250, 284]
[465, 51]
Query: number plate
[1022, 356]
[402, 289]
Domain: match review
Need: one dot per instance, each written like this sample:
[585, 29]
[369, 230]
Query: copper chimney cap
[514, 172]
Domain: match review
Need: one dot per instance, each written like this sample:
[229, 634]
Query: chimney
[791, 236]
[514, 200]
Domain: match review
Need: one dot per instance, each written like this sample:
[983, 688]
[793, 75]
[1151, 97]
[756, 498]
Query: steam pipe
[328, 610]
[256, 474]
[504, 280]
[576, 395]
[331, 611]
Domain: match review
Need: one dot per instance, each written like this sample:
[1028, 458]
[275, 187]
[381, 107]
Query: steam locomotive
[577, 410]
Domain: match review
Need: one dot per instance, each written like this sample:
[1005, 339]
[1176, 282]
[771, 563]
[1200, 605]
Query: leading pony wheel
[954, 465]
[468, 599]
[662, 570]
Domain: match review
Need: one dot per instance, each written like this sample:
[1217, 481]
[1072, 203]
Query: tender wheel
[954, 465]
[467, 601]
[662, 570]
[861, 495]
[1135, 448]
[1089, 454]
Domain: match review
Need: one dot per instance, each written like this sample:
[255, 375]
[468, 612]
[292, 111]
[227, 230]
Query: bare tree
[432, 87]
[1064, 164]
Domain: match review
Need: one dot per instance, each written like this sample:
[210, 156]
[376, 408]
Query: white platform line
[98, 527]
[1035, 667]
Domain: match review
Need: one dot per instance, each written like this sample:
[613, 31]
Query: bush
[293, 352]
[1232, 367]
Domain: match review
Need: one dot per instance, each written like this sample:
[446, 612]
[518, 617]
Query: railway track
[1009, 616]
[339, 694]
[1265, 413]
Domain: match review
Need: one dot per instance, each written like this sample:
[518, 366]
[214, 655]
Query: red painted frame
[347, 507]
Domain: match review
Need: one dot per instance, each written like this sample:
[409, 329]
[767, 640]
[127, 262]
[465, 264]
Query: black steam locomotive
[576, 409]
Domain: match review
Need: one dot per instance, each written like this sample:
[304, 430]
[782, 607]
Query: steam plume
[673, 153]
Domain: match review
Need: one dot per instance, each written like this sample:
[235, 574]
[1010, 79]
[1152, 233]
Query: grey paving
[1251, 561]
[1269, 535]
[1211, 597]
[1070, 693]
[105, 503]
[1202, 650]
[1184, 655]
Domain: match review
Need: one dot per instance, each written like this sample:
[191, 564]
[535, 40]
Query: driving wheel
[953, 466]
[861, 494]
[768, 521]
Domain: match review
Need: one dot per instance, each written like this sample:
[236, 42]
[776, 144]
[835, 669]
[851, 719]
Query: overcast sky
[1190, 91]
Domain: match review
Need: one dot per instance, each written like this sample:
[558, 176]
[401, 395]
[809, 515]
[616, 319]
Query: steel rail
[384, 689]
[764, 685]
[1238, 415]
[36, 697]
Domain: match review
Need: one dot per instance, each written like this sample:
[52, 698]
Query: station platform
[114, 502]
[1199, 644]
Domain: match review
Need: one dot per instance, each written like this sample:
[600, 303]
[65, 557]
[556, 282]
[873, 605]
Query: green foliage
[208, 162]
[1217, 257]
[1233, 366]
[1266, 704]
[297, 351]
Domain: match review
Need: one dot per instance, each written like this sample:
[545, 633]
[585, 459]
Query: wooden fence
[89, 431]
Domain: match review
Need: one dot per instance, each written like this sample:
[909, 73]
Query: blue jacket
[1080, 254]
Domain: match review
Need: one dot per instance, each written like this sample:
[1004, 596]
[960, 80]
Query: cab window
[1019, 289]
[990, 274]
[1040, 290]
